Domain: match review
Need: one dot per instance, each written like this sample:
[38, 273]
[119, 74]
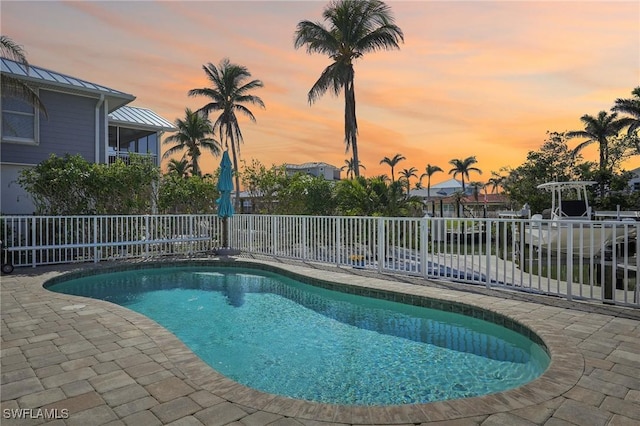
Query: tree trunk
[350, 123]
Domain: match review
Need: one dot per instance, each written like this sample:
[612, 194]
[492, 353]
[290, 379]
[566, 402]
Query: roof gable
[451, 183]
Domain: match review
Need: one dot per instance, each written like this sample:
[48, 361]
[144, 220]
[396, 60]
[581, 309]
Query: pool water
[285, 337]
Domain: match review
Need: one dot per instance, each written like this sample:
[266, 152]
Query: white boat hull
[584, 240]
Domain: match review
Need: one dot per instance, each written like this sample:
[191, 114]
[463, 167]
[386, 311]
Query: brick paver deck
[90, 362]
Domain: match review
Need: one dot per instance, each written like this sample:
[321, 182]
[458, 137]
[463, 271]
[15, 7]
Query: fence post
[96, 252]
[146, 235]
[33, 239]
[274, 233]
[336, 243]
[305, 254]
[424, 245]
[487, 254]
[191, 236]
[250, 221]
[381, 242]
[569, 261]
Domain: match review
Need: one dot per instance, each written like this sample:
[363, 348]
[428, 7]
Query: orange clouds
[473, 78]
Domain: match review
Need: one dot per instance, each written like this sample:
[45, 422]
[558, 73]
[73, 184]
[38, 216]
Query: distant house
[441, 202]
[324, 170]
[82, 118]
[440, 190]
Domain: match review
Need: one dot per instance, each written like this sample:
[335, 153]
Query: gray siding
[70, 128]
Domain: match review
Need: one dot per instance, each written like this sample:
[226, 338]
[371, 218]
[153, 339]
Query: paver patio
[90, 362]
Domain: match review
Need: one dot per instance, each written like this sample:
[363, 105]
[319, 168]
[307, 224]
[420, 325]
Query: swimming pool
[282, 336]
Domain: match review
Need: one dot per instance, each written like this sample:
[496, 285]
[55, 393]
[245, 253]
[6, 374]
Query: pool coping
[565, 370]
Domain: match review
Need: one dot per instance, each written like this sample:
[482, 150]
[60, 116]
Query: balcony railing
[124, 156]
[592, 260]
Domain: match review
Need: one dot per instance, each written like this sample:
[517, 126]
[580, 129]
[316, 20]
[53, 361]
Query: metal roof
[141, 117]
[45, 78]
[308, 165]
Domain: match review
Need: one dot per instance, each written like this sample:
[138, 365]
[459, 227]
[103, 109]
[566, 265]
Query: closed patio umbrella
[225, 187]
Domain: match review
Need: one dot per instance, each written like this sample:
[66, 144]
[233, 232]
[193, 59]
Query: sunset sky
[483, 78]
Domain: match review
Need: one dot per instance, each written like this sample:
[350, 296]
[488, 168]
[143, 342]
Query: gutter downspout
[97, 135]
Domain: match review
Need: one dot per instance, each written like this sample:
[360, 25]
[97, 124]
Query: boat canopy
[568, 208]
[560, 186]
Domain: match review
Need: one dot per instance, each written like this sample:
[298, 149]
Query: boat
[572, 226]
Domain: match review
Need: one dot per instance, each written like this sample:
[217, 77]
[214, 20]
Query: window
[19, 121]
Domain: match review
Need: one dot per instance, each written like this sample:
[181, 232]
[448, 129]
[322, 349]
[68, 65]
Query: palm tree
[355, 27]
[463, 167]
[408, 174]
[392, 162]
[179, 167]
[496, 182]
[12, 86]
[598, 129]
[192, 135]
[476, 186]
[632, 108]
[229, 94]
[428, 172]
[458, 200]
[350, 169]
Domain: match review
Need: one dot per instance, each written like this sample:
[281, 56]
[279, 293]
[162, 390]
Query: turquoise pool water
[285, 337]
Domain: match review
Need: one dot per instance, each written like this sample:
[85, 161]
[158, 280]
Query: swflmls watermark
[35, 413]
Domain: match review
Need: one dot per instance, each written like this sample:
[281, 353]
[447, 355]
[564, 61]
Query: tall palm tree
[463, 167]
[392, 162]
[355, 27]
[193, 135]
[428, 172]
[598, 130]
[179, 167]
[230, 92]
[348, 166]
[631, 107]
[12, 86]
[407, 174]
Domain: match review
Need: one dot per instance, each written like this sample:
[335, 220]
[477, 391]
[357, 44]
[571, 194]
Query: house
[440, 190]
[441, 200]
[83, 118]
[317, 169]
[485, 205]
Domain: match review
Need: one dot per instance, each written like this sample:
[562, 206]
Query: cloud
[472, 78]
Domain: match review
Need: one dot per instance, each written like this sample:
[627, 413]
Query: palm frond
[12, 50]
[330, 78]
[316, 38]
[18, 89]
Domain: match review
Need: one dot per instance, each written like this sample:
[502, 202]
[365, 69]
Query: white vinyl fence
[42, 240]
[594, 260]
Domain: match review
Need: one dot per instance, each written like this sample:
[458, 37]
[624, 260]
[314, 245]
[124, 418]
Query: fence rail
[593, 260]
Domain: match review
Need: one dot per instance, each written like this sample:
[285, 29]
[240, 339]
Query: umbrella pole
[225, 232]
